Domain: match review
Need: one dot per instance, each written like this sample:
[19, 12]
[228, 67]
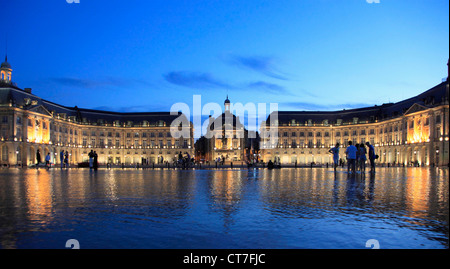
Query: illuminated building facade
[414, 131]
[29, 123]
[226, 137]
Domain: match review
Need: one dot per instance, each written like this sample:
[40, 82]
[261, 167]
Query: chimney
[28, 90]
[448, 70]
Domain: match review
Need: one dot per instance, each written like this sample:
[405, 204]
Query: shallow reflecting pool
[285, 208]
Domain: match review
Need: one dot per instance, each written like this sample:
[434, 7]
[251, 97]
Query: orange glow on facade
[38, 131]
[420, 133]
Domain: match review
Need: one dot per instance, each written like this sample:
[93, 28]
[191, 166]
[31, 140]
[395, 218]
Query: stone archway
[396, 153]
[424, 158]
[31, 155]
[408, 158]
[416, 156]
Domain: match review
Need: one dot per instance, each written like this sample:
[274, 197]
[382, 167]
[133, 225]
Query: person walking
[38, 158]
[351, 157]
[91, 159]
[47, 160]
[335, 152]
[357, 156]
[95, 161]
[362, 157]
[371, 157]
[66, 159]
[61, 158]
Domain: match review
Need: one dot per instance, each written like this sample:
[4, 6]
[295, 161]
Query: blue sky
[302, 54]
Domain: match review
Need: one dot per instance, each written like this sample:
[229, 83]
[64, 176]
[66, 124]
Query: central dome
[5, 64]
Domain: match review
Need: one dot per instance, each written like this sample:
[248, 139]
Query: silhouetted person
[61, 158]
[95, 160]
[66, 159]
[351, 157]
[38, 158]
[371, 157]
[357, 156]
[270, 164]
[47, 160]
[91, 159]
[362, 157]
[335, 152]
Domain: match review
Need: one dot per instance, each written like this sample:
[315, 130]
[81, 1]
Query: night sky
[133, 56]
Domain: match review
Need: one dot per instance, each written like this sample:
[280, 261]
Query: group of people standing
[63, 157]
[356, 156]
[93, 160]
[185, 161]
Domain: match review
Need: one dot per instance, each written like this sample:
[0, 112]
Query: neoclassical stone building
[412, 131]
[29, 123]
[227, 137]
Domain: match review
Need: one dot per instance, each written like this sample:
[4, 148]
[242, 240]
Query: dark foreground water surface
[286, 208]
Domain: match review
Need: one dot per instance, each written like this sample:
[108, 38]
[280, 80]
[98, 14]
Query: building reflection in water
[299, 191]
[172, 204]
[225, 193]
[39, 191]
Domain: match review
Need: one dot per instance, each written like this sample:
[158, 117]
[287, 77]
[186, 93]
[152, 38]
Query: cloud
[269, 87]
[74, 82]
[261, 64]
[134, 108]
[194, 80]
[322, 107]
[94, 83]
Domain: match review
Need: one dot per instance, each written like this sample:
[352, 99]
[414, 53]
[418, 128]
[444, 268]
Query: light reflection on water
[287, 208]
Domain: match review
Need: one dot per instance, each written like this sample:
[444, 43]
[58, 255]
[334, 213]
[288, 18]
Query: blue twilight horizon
[137, 56]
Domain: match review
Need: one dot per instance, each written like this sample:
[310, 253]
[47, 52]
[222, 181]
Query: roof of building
[226, 118]
[5, 64]
[14, 96]
[430, 98]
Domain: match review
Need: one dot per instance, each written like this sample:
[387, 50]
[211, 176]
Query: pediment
[41, 110]
[415, 108]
